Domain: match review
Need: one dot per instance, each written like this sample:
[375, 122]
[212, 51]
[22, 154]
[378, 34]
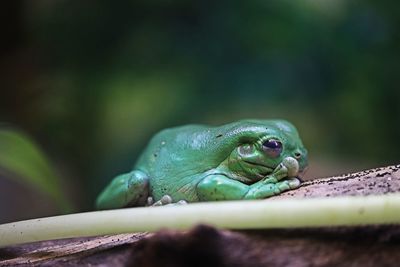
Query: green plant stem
[360, 210]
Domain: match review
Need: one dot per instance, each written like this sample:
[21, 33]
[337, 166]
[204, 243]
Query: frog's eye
[272, 147]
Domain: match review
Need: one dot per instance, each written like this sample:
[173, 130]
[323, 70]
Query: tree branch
[377, 181]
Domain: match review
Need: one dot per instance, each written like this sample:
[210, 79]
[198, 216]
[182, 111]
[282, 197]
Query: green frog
[247, 159]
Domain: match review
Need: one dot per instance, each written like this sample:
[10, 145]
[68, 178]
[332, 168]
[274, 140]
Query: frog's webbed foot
[166, 200]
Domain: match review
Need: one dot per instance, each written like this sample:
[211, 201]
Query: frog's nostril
[297, 155]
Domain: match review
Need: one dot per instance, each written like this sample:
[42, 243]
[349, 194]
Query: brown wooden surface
[369, 182]
[205, 246]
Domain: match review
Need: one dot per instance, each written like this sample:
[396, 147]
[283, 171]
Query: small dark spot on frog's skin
[155, 155]
[220, 135]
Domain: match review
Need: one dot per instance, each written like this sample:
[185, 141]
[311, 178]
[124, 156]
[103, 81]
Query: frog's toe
[150, 201]
[294, 183]
[292, 166]
[165, 200]
[288, 184]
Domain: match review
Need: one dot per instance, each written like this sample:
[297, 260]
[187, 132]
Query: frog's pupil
[272, 147]
[274, 144]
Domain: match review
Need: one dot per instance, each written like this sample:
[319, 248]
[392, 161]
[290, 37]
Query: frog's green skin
[204, 163]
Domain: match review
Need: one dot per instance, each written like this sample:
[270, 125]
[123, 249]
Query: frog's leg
[129, 189]
[220, 187]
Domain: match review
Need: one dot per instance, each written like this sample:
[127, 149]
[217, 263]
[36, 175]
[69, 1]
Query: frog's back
[174, 145]
[174, 160]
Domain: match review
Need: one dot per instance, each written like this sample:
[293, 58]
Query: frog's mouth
[262, 169]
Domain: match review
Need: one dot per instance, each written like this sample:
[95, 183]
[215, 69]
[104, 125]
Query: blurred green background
[85, 84]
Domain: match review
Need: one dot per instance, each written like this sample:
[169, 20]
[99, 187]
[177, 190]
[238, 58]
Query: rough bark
[369, 182]
[377, 245]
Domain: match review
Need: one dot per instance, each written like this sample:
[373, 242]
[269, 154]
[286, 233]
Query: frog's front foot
[283, 178]
[265, 190]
